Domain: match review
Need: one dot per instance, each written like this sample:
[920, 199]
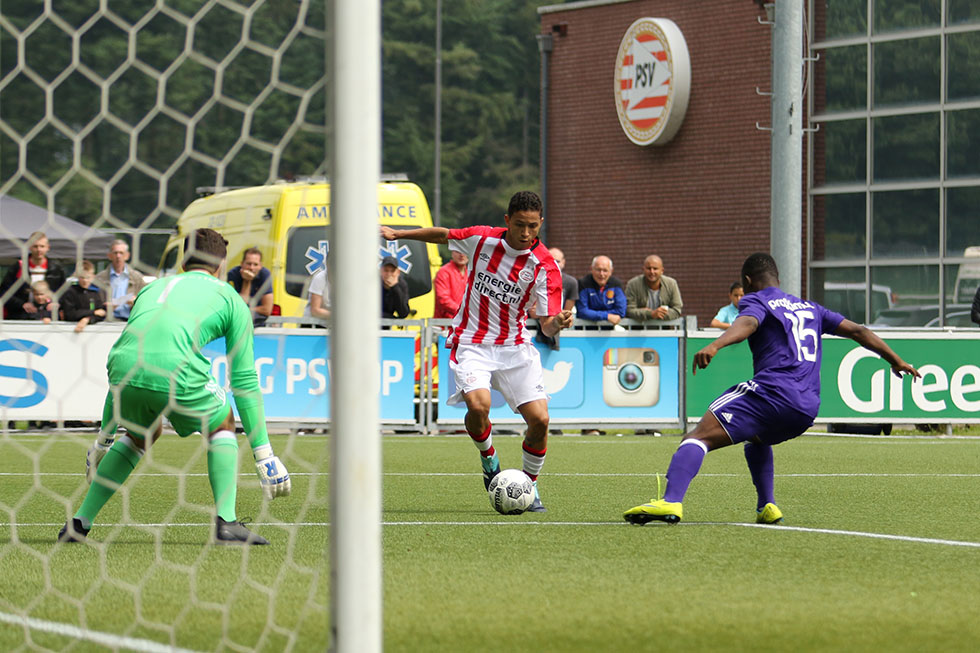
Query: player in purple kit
[781, 400]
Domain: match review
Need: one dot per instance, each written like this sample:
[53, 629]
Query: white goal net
[113, 118]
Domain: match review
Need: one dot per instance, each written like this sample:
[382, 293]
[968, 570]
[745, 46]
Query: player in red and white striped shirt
[510, 271]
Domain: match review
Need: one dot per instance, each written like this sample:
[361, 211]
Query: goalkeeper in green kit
[156, 370]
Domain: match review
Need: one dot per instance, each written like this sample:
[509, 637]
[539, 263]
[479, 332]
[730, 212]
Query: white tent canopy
[68, 238]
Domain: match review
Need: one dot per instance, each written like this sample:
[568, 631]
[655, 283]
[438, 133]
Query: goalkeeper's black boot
[73, 531]
[234, 532]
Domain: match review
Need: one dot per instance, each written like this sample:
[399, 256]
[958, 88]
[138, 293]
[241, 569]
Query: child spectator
[41, 292]
[727, 314]
[83, 302]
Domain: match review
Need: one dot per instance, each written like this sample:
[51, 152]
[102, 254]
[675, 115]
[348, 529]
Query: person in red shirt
[450, 283]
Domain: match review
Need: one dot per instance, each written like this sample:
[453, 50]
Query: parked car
[923, 315]
[967, 277]
[954, 319]
[847, 298]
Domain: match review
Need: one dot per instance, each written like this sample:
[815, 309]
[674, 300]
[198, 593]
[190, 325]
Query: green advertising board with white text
[858, 386]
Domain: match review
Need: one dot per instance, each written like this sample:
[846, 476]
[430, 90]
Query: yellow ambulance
[288, 221]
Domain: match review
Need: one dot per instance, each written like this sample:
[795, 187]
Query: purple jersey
[786, 348]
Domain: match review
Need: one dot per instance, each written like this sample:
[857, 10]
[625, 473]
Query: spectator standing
[42, 299]
[120, 282]
[394, 290]
[569, 284]
[569, 292]
[600, 295]
[253, 282]
[19, 278]
[727, 314]
[653, 295]
[450, 282]
[83, 302]
[318, 297]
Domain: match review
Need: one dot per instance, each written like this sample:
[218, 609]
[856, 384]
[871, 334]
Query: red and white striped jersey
[501, 286]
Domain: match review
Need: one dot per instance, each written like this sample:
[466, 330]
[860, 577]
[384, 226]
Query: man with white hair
[120, 282]
[600, 294]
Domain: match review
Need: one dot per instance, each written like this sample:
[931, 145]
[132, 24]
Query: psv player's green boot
[491, 467]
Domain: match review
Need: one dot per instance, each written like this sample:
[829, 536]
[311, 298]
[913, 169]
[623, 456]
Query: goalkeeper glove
[95, 454]
[273, 476]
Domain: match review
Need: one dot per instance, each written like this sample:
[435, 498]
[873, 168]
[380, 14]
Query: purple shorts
[745, 416]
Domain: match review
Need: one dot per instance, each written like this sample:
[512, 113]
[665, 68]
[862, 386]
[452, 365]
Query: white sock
[533, 462]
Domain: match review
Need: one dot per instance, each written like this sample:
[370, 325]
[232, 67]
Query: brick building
[891, 177]
[701, 201]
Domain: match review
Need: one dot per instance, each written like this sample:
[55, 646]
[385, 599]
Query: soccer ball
[511, 492]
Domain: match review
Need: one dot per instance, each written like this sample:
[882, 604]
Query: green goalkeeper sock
[112, 472]
[223, 473]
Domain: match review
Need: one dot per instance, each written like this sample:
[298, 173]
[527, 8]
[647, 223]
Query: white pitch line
[877, 536]
[559, 474]
[109, 640]
[614, 524]
[939, 438]
[828, 531]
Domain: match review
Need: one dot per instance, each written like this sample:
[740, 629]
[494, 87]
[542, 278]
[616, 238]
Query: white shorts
[512, 370]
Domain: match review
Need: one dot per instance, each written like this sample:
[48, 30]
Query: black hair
[524, 200]
[759, 265]
[737, 284]
[204, 249]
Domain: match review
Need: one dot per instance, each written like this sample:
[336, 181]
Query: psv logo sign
[652, 81]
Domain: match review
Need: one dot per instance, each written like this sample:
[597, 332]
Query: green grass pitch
[880, 551]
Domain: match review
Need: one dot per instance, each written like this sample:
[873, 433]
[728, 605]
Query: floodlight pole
[355, 441]
[786, 218]
[437, 166]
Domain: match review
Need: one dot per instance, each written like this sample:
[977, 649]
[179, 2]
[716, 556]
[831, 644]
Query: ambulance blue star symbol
[318, 256]
[401, 253]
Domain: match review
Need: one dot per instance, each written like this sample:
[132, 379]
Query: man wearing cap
[394, 290]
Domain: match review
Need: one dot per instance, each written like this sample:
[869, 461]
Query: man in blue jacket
[600, 295]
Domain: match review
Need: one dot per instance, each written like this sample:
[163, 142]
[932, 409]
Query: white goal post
[112, 116]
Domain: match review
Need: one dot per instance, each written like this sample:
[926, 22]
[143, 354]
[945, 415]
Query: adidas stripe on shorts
[745, 415]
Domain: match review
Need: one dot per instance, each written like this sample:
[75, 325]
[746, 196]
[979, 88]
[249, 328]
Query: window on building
[894, 174]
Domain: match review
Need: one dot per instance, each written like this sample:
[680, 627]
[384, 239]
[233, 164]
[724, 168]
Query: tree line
[163, 99]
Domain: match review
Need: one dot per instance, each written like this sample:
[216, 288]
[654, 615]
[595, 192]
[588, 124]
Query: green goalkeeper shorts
[140, 410]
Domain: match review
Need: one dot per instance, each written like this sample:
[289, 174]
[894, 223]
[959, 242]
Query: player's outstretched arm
[552, 324]
[437, 235]
[743, 327]
[870, 340]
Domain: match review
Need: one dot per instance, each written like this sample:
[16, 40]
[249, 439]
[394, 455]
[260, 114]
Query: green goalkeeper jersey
[171, 320]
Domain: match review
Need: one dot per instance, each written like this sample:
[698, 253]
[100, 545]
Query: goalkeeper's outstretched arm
[273, 476]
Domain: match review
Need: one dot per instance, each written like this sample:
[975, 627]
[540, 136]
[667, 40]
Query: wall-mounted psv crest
[652, 81]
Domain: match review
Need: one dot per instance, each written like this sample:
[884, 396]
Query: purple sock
[684, 466]
[759, 458]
